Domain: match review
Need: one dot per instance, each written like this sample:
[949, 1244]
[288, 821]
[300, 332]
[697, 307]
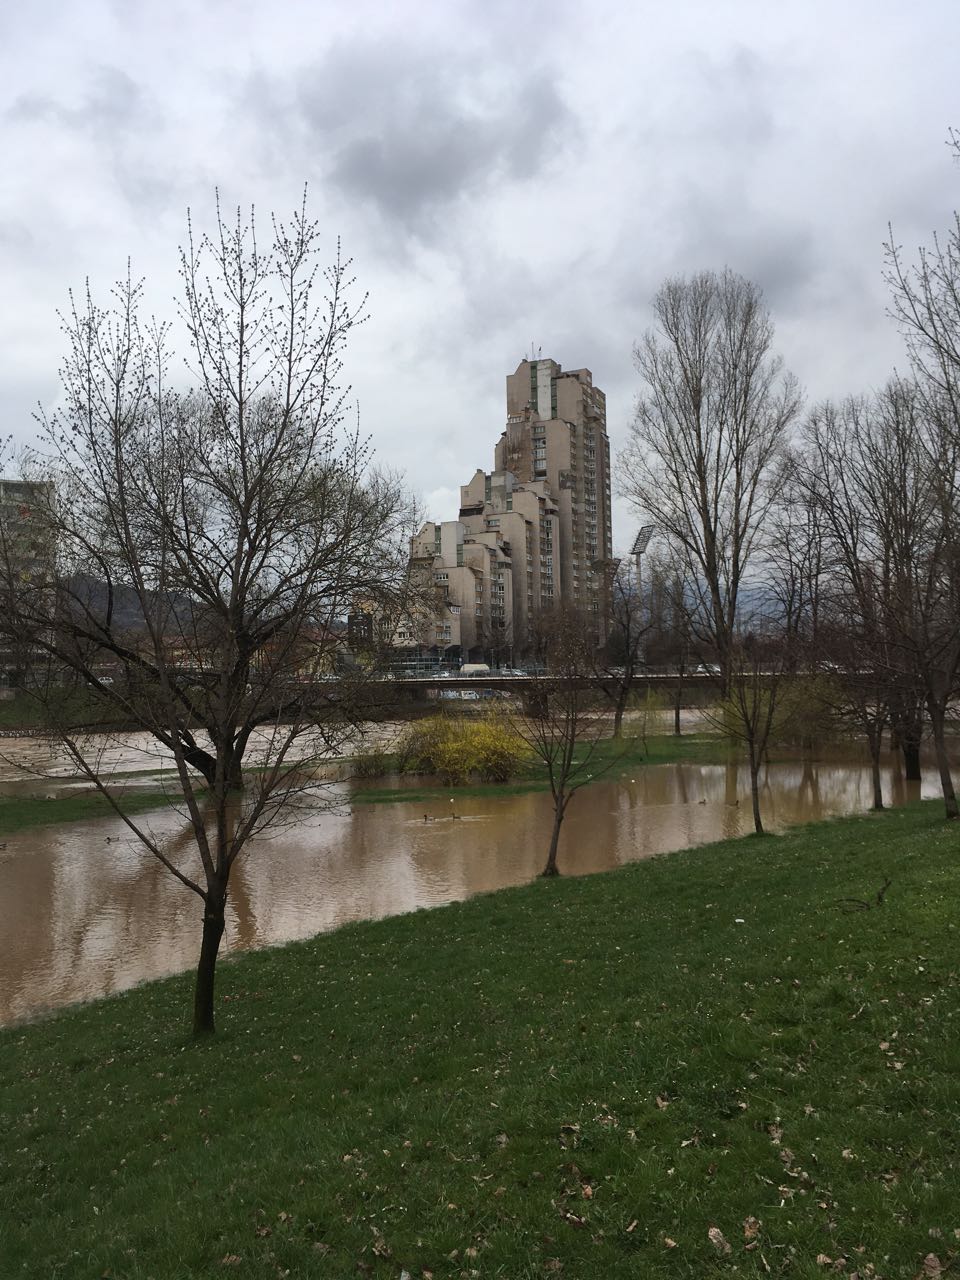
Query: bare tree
[767, 647]
[622, 659]
[705, 447]
[497, 641]
[669, 639]
[916, 463]
[883, 473]
[564, 719]
[925, 298]
[854, 639]
[208, 541]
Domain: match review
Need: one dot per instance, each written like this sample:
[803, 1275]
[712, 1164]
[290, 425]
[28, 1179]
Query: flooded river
[84, 911]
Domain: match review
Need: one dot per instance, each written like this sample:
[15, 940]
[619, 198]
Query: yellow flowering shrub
[455, 749]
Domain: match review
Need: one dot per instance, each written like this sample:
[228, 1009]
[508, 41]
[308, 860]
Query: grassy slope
[581, 1076]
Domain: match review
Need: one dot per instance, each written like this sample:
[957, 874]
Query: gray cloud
[111, 101]
[409, 136]
[498, 175]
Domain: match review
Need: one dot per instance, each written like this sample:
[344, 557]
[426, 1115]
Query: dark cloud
[410, 135]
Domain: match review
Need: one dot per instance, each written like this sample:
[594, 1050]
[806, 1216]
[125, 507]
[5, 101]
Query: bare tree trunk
[943, 763]
[875, 740]
[911, 758]
[755, 789]
[676, 713]
[551, 869]
[213, 926]
[621, 704]
[204, 763]
[908, 727]
[730, 796]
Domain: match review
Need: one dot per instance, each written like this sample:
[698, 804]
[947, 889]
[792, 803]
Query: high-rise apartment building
[556, 433]
[532, 534]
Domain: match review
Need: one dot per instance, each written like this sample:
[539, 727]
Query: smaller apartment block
[533, 533]
[25, 555]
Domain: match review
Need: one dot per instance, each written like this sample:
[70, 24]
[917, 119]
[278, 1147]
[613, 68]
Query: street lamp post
[640, 544]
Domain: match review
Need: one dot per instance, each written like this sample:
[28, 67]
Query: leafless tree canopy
[882, 473]
[705, 447]
[208, 534]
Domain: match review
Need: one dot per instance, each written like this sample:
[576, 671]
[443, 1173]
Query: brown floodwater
[85, 911]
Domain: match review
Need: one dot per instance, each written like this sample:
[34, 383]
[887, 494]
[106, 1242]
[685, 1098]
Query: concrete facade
[556, 433]
[532, 534]
[25, 554]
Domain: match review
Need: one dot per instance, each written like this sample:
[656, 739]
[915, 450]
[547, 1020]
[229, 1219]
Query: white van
[474, 669]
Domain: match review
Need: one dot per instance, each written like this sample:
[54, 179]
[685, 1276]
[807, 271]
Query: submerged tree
[883, 474]
[206, 542]
[564, 717]
[767, 646]
[925, 296]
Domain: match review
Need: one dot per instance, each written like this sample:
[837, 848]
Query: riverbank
[611, 759]
[19, 813]
[733, 1057]
[614, 760]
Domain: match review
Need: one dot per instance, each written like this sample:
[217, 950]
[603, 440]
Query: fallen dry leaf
[932, 1266]
[751, 1228]
[670, 1244]
[718, 1240]
[632, 1226]
[662, 1102]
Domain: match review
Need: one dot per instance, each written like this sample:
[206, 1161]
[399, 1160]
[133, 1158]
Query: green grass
[25, 712]
[612, 759]
[580, 1077]
[19, 812]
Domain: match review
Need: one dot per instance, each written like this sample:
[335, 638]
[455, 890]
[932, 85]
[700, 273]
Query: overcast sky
[501, 174]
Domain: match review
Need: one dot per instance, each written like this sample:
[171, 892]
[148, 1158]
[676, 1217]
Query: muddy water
[84, 911]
